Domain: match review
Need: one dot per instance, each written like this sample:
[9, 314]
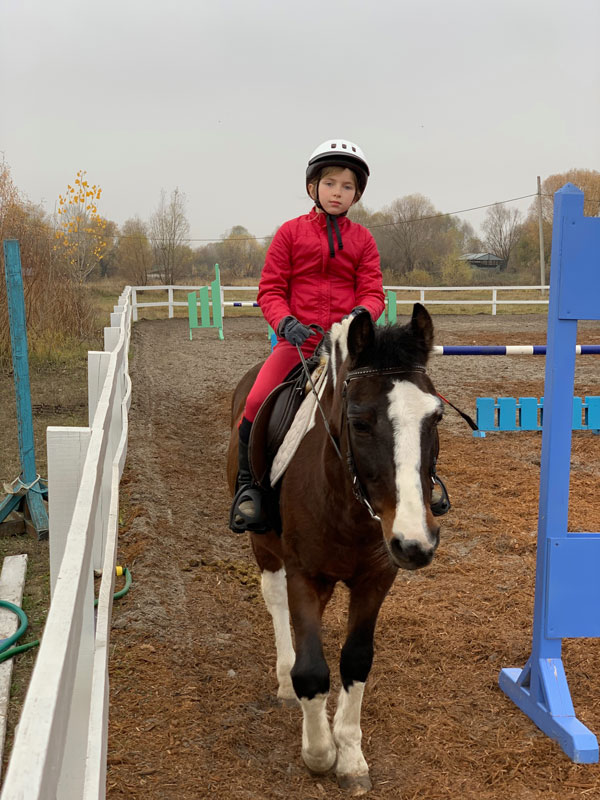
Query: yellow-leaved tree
[80, 230]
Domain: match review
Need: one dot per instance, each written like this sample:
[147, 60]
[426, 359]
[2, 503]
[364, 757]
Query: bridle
[357, 488]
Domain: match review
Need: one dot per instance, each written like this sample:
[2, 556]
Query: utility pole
[542, 262]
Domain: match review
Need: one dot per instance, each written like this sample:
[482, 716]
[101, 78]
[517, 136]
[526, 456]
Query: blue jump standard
[567, 590]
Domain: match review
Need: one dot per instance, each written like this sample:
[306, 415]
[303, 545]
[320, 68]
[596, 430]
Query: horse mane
[393, 346]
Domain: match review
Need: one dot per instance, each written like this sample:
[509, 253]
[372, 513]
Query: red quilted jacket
[302, 279]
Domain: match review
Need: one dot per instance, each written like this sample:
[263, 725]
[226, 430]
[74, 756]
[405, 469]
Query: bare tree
[134, 254]
[420, 234]
[239, 253]
[168, 232]
[502, 228]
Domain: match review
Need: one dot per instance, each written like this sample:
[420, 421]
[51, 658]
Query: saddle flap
[270, 426]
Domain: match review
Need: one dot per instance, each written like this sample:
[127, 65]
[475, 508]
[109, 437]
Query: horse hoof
[286, 694]
[322, 764]
[289, 702]
[355, 784]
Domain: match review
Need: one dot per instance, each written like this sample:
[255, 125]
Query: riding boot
[246, 510]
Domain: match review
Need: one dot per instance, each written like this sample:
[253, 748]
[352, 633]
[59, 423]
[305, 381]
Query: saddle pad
[303, 422]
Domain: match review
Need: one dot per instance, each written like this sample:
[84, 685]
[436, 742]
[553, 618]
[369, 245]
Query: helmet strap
[332, 224]
[331, 221]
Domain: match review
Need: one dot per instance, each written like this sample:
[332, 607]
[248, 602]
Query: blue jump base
[567, 589]
[527, 414]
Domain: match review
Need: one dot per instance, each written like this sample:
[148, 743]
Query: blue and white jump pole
[508, 350]
[567, 584]
[28, 487]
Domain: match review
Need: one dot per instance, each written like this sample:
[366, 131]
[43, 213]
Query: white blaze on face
[408, 407]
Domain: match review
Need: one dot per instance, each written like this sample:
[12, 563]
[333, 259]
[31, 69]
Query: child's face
[337, 191]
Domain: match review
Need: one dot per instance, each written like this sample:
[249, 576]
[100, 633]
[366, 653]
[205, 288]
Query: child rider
[319, 268]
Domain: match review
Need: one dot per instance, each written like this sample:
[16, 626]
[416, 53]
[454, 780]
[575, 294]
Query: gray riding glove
[294, 331]
[355, 312]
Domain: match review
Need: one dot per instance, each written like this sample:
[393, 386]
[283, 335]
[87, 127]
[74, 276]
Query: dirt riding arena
[193, 687]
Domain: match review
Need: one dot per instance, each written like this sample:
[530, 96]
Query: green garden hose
[120, 571]
[6, 645]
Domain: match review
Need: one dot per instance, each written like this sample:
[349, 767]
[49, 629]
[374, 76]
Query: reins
[363, 372]
[443, 505]
[316, 394]
[465, 416]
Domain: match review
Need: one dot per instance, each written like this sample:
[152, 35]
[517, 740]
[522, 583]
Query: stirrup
[240, 522]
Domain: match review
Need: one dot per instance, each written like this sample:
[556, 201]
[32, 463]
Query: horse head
[385, 414]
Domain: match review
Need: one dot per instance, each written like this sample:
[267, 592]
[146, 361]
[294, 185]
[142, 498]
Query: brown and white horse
[355, 507]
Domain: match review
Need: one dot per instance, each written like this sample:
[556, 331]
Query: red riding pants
[282, 360]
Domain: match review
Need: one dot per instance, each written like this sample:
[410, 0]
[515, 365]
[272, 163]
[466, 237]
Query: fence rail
[60, 746]
[423, 294]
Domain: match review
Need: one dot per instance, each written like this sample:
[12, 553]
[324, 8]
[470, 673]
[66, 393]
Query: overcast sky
[464, 101]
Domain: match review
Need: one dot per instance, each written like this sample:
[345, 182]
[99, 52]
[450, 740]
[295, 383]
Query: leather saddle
[274, 419]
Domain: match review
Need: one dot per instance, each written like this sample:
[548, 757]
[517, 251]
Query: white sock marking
[318, 748]
[274, 591]
[347, 733]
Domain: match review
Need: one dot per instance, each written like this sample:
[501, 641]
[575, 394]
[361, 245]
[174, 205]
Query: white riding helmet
[339, 153]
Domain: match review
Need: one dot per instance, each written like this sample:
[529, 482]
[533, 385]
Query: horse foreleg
[310, 673]
[352, 770]
[274, 591]
[267, 551]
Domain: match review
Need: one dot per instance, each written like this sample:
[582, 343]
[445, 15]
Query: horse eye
[360, 426]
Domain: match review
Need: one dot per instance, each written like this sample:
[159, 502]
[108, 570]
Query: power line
[220, 239]
[452, 213]
[388, 224]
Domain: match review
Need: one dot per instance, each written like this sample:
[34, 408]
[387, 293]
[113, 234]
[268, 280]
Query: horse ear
[422, 325]
[361, 334]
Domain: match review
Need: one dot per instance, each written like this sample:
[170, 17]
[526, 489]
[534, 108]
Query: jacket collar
[321, 218]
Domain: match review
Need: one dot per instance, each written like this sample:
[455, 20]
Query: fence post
[170, 291]
[97, 369]
[67, 450]
[494, 299]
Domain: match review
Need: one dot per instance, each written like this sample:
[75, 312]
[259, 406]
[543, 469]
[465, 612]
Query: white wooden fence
[246, 296]
[60, 746]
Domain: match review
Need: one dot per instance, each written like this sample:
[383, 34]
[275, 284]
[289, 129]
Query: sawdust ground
[193, 706]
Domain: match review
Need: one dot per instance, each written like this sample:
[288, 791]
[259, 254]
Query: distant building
[486, 261]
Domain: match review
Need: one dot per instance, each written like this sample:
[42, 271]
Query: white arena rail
[60, 745]
[421, 293]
